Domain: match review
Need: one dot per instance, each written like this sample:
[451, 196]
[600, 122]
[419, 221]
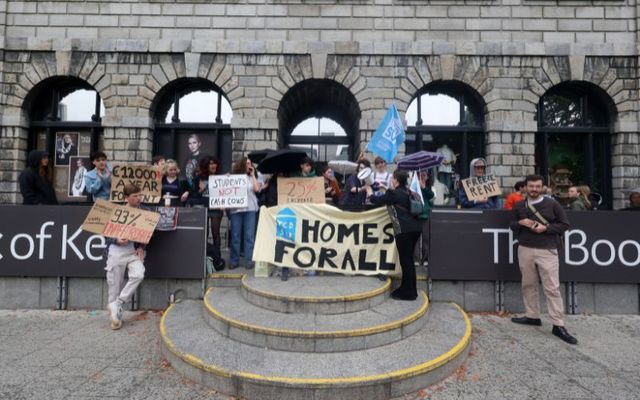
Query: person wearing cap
[478, 169]
[35, 180]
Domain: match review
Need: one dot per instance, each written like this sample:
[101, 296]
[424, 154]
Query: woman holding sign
[407, 230]
[243, 220]
[199, 196]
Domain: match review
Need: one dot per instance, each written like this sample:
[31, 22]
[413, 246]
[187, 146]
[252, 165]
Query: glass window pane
[438, 109]
[318, 127]
[201, 107]
[79, 105]
[559, 110]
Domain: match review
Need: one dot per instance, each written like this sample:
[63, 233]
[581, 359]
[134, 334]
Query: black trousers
[406, 243]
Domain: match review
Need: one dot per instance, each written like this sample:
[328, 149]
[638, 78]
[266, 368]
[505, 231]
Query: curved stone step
[317, 294]
[211, 359]
[232, 316]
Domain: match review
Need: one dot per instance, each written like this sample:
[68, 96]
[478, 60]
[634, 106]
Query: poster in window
[191, 149]
[78, 166]
[66, 147]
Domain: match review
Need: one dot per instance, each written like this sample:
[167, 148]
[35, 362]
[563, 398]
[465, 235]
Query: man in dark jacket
[35, 186]
[538, 222]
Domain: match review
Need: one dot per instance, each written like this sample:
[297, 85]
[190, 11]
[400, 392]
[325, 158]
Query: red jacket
[512, 199]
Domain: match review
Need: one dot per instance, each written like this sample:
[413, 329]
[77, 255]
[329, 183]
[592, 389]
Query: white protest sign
[228, 191]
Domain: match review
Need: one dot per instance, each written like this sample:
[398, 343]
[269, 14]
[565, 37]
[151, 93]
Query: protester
[538, 222]
[332, 190]
[407, 230]
[519, 191]
[381, 177]
[175, 189]
[124, 255]
[35, 180]
[634, 200]
[158, 161]
[199, 195]
[354, 191]
[98, 180]
[306, 168]
[243, 220]
[427, 197]
[579, 198]
[478, 168]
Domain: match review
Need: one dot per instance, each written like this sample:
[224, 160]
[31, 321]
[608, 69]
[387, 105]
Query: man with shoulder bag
[538, 223]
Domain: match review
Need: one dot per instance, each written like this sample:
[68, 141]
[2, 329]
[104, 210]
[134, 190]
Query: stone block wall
[382, 51]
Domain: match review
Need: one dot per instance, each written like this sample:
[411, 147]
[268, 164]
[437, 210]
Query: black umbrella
[283, 160]
[259, 155]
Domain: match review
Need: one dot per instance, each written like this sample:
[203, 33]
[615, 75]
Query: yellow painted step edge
[400, 374]
[318, 299]
[319, 334]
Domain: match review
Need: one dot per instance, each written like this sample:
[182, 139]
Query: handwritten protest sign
[147, 177]
[168, 218]
[228, 191]
[485, 186]
[120, 222]
[300, 190]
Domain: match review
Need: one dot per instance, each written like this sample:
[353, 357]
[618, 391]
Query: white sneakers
[115, 315]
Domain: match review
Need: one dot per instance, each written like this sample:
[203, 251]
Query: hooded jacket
[492, 203]
[36, 189]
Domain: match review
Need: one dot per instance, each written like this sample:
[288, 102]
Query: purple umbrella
[420, 160]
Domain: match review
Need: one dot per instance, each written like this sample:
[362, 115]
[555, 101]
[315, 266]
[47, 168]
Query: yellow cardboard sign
[121, 222]
[147, 177]
[301, 190]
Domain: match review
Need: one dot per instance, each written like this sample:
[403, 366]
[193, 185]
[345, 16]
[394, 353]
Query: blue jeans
[243, 223]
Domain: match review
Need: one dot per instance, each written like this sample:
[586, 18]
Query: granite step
[226, 311]
[333, 294]
[205, 356]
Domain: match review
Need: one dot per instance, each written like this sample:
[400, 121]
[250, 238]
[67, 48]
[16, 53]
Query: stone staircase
[313, 337]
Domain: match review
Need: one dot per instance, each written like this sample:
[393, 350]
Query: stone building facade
[278, 62]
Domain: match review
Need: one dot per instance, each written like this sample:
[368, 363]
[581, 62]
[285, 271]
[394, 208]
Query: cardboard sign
[228, 191]
[147, 177]
[301, 190]
[476, 188]
[120, 222]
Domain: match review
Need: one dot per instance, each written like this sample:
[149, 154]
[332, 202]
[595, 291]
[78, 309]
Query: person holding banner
[175, 188]
[381, 177]
[407, 229]
[98, 180]
[124, 256]
[243, 220]
[477, 169]
[538, 223]
[199, 196]
[35, 180]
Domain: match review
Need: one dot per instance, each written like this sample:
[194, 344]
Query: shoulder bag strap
[537, 213]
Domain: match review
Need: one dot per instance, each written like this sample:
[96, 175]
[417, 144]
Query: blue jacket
[98, 187]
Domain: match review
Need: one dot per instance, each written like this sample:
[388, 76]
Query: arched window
[322, 117]
[65, 115]
[446, 116]
[573, 144]
[191, 120]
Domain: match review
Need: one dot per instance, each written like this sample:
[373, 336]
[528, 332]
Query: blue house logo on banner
[286, 224]
[388, 137]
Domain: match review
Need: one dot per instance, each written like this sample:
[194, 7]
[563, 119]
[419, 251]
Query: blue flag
[388, 137]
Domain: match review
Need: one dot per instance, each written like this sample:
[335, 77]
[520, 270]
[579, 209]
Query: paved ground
[74, 355]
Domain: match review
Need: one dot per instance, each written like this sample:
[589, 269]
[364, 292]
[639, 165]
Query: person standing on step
[243, 220]
[98, 180]
[124, 255]
[381, 177]
[407, 230]
[538, 222]
[35, 180]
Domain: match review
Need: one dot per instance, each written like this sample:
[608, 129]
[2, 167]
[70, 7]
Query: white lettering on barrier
[89, 246]
[580, 246]
[69, 242]
[41, 237]
[13, 246]
[621, 255]
[570, 248]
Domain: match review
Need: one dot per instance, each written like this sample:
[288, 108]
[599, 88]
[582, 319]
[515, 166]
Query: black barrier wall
[48, 241]
[600, 247]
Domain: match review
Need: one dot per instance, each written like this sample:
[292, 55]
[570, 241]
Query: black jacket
[398, 205]
[36, 189]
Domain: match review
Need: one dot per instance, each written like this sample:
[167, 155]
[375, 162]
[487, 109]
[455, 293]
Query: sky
[201, 107]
